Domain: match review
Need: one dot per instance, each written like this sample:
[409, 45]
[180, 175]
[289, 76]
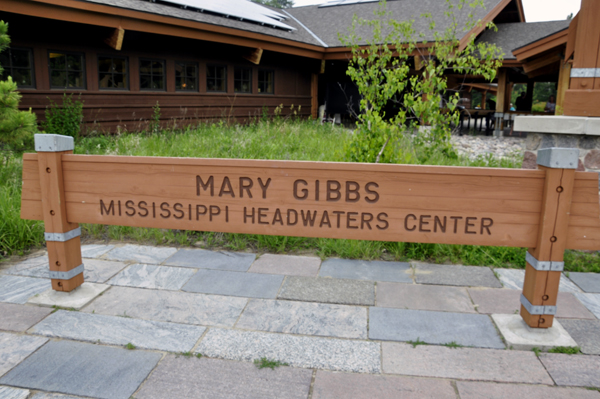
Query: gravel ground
[499, 147]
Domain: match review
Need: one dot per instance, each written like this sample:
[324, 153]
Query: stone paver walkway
[157, 322]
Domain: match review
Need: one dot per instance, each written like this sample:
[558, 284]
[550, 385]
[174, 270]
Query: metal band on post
[544, 265]
[585, 73]
[62, 237]
[537, 310]
[558, 158]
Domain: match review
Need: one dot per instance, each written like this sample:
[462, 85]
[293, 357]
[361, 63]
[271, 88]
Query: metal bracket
[585, 73]
[53, 143]
[537, 310]
[545, 265]
[558, 158]
[62, 237]
[67, 275]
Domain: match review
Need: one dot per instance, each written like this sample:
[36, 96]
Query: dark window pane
[157, 68]
[75, 79]
[58, 79]
[20, 58]
[105, 81]
[74, 62]
[119, 65]
[191, 71]
[57, 61]
[145, 82]
[157, 82]
[104, 64]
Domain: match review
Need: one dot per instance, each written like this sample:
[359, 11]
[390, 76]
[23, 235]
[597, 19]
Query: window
[152, 74]
[216, 78]
[266, 80]
[67, 70]
[242, 80]
[18, 64]
[186, 76]
[112, 73]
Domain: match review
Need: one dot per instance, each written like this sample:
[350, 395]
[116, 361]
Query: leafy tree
[382, 70]
[16, 127]
[276, 3]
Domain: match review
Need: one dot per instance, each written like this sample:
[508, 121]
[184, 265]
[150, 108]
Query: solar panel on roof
[243, 10]
[345, 2]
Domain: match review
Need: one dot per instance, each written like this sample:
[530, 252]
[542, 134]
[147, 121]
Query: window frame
[273, 83]
[208, 66]
[249, 69]
[186, 64]
[8, 69]
[164, 74]
[83, 70]
[127, 74]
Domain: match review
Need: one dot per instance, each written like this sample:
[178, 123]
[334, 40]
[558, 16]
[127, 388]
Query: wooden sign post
[548, 210]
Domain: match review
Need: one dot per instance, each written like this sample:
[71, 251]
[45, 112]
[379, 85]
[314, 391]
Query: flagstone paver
[141, 254]
[591, 301]
[463, 363]
[492, 390]
[13, 393]
[192, 378]
[45, 395]
[305, 318]
[332, 385]
[95, 271]
[176, 307]
[16, 317]
[433, 327]
[497, 301]
[83, 369]
[219, 260]
[95, 250]
[573, 370]
[586, 333]
[424, 297]
[513, 279]
[14, 348]
[18, 289]
[250, 285]
[328, 290]
[588, 282]
[297, 351]
[399, 272]
[152, 276]
[471, 276]
[76, 299]
[114, 330]
[289, 265]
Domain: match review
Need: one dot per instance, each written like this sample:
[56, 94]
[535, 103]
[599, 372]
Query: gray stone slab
[332, 385]
[470, 276]
[307, 352]
[152, 276]
[591, 301]
[463, 363]
[77, 368]
[424, 297]
[219, 260]
[17, 317]
[169, 306]
[15, 348]
[192, 378]
[95, 271]
[491, 390]
[289, 265]
[588, 282]
[18, 289]
[328, 290]
[45, 395]
[305, 318]
[141, 254]
[114, 330]
[498, 301]
[220, 282]
[13, 393]
[75, 299]
[513, 279]
[399, 272]
[586, 333]
[518, 335]
[573, 370]
[433, 327]
[95, 250]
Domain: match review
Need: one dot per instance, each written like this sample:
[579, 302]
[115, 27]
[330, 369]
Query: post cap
[53, 143]
[558, 158]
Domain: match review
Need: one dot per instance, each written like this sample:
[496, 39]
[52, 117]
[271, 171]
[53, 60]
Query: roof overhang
[541, 46]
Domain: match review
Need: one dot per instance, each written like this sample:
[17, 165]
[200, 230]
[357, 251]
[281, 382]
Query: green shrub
[64, 119]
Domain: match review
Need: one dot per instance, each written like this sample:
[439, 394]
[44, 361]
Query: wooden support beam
[571, 39]
[541, 62]
[314, 94]
[116, 39]
[587, 44]
[501, 105]
[255, 56]
[419, 62]
[323, 62]
[564, 79]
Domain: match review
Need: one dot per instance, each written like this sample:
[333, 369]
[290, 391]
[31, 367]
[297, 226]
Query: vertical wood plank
[564, 79]
[314, 96]
[587, 42]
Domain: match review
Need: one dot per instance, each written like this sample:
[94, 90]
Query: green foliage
[16, 127]
[417, 342]
[453, 345]
[537, 351]
[276, 3]
[130, 346]
[382, 72]
[566, 349]
[266, 363]
[66, 118]
[154, 125]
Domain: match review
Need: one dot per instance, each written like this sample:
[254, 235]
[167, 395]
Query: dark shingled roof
[327, 22]
[515, 35]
